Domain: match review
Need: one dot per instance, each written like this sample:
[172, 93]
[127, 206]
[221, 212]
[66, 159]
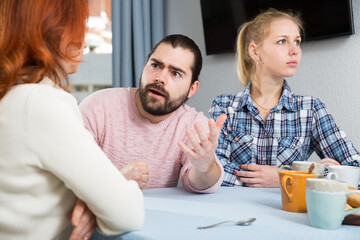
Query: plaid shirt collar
[286, 99]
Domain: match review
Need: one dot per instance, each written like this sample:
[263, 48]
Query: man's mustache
[157, 87]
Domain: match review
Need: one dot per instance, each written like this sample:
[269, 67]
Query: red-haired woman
[47, 158]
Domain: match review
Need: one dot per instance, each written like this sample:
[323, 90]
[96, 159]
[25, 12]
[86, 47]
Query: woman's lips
[292, 63]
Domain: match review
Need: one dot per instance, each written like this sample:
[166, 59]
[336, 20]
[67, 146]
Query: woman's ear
[253, 52]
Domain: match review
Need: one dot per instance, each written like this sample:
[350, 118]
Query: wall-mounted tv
[322, 19]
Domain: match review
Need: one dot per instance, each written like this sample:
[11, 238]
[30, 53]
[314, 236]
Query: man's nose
[160, 78]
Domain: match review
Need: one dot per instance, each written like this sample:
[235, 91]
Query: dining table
[176, 214]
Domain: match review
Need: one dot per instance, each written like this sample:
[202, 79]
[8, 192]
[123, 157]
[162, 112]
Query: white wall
[95, 72]
[330, 69]
[94, 69]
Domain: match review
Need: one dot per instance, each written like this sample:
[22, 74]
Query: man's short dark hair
[178, 40]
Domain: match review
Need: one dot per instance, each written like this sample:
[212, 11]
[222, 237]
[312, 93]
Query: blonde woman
[267, 125]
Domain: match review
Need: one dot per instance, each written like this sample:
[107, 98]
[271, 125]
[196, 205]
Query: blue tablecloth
[175, 214]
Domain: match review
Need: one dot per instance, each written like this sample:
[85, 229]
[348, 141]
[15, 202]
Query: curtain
[137, 26]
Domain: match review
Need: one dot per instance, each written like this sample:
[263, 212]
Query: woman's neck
[266, 90]
[265, 93]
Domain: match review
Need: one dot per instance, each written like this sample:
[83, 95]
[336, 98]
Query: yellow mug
[293, 190]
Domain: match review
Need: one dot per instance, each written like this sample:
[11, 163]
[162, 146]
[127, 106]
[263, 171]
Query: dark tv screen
[321, 18]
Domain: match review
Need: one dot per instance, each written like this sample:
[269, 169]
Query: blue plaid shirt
[295, 128]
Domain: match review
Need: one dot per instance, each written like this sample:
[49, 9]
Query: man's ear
[253, 51]
[194, 87]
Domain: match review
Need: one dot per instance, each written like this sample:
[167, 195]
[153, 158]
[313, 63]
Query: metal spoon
[244, 222]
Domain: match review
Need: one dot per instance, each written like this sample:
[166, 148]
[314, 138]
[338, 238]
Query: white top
[47, 156]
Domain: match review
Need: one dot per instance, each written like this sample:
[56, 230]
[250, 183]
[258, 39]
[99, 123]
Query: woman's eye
[281, 42]
[298, 42]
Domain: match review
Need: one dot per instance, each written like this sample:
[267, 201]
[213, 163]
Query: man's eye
[176, 74]
[154, 65]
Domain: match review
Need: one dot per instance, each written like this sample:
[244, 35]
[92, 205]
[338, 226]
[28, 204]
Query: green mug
[325, 200]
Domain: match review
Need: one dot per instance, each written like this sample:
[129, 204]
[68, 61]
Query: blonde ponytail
[244, 64]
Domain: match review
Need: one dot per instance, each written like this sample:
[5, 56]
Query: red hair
[30, 36]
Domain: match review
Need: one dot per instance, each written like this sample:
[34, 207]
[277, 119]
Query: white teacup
[305, 165]
[349, 174]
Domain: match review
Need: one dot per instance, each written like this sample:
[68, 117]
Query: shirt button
[265, 134]
[236, 139]
[293, 144]
[264, 158]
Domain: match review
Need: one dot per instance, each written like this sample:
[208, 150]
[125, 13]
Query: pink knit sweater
[125, 136]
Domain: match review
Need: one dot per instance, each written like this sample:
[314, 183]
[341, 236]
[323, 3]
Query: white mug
[349, 174]
[305, 165]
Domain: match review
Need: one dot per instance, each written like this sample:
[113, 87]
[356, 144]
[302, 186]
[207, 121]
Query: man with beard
[149, 133]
